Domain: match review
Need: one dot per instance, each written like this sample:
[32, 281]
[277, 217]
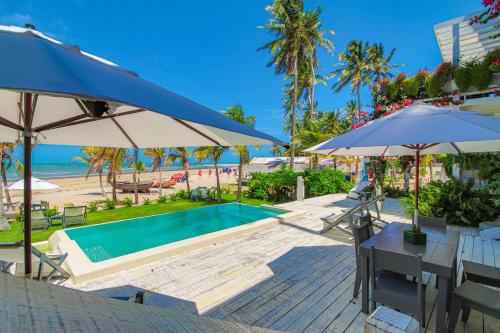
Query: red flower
[355, 126]
[488, 3]
[496, 63]
[378, 108]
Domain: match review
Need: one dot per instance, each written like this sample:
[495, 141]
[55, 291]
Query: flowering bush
[495, 66]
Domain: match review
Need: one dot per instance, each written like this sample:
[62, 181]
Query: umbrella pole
[28, 113]
[417, 178]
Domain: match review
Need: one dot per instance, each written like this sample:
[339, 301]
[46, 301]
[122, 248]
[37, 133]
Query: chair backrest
[37, 214]
[396, 262]
[75, 211]
[361, 234]
[435, 222]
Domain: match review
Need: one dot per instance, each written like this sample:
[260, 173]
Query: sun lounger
[130, 187]
[196, 193]
[355, 193]
[39, 219]
[177, 177]
[343, 221]
[164, 184]
[74, 215]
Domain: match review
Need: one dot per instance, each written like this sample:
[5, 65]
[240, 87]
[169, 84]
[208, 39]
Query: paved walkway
[286, 277]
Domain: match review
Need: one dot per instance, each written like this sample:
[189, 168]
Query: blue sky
[207, 50]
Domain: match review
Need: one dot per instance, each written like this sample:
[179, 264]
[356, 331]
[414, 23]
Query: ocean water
[75, 169]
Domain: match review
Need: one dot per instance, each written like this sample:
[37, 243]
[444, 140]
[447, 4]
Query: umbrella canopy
[36, 184]
[435, 130]
[57, 94]
[415, 130]
[85, 100]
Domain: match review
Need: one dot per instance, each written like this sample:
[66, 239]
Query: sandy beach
[79, 190]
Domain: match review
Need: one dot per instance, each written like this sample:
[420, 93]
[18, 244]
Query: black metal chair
[361, 234]
[394, 290]
[473, 296]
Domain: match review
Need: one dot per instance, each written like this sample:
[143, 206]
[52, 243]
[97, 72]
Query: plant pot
[415, 238]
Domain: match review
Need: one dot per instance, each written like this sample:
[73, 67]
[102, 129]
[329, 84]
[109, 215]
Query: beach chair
[343, 221]
[205, 193]
[355, 193]
[74, 216]
[50, 266]
[39, 219]
[196, 193]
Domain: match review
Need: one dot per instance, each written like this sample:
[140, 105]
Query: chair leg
[357, 284]
[437, 282]
[456, 304]
[465, 314]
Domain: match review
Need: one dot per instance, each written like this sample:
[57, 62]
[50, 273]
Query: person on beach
[209, 173]
[228, 173]
[199, 173]
[235, 172]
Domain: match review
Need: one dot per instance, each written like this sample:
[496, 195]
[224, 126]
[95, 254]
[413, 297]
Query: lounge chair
[205, 193]
[39, 219]
[130, 187]
[74, 215]
[177, 177]
[195, 195]
[355, 193]
[343, 221]
[50, 265]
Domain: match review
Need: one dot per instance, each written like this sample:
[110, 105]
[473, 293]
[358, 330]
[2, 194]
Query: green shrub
[481, 76]
[434, 84]
[127, 202]
[411, 87]
[393, 91]
[93, 206]
[463, 77]
[492, 56]
[327, 181]
[53, 211]
[394, 192]
[161, 199]
[173, 197]
[110, 204]
[278, 186]
[225, 190]
[459, 202]
[146, 201]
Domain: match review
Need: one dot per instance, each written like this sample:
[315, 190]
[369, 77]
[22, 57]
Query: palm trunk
[187, 176]
[359, 103]
[114, 186]
[4, 180]
[240, 169]
[219, 196]
[294, 113]
[136, 191]
[100, 183]
[311, 93]
[159, 176]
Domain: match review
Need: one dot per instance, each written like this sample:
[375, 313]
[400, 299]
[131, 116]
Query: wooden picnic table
[439, 257]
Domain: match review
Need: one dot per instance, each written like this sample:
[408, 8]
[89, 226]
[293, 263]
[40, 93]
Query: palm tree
[181, 154]
[380, 63]
[351, 110]
[212, 154]
[157, 156]
[115, 157]
[354, 68]
[237, 113]
[6, 153]
[96, 160]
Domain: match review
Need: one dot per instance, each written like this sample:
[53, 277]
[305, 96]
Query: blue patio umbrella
[51, 93]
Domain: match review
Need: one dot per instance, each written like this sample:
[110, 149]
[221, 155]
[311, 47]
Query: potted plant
[415, 236]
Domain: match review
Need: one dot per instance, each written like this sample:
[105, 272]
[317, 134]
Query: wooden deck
[287, 277]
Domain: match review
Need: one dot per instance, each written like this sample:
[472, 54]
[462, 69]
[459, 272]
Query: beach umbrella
[417, 130]
[36, 185]
[51, 93]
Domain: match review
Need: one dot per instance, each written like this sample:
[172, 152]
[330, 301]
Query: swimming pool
[112, 240]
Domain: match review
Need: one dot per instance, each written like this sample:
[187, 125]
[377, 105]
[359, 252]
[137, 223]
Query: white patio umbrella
[51, 93]
[417, 130]
[36, 184]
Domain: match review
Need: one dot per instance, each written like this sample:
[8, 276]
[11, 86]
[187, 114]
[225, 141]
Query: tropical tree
[181, 154]
[380, 63]
[212, 154]
[237, 113]
[6, 154]
[115, 157]
[96, 160]
[158, 157]
[354, 69]
[351, 110]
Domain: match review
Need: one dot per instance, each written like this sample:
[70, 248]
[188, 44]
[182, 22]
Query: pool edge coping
[82, 269]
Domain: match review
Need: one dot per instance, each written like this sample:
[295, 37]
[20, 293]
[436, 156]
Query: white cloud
[16, 19]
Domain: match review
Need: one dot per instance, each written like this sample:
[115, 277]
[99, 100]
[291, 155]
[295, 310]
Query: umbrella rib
[124, 133]
[10, 124]
[453, 144]
[83, 121]
[59, 123]
[197, 131]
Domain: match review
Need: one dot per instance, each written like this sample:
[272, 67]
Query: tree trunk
[294, 112]
[100, 183]
[159, 175]
[311, 94]
[359, 103]
[219, 196]
[136, 191]
[430, 170]
[114, 187]
[187, 177]
[393, 175]
[240, 169]
[4, 180]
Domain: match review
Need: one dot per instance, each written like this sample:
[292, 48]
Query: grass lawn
[101, 216]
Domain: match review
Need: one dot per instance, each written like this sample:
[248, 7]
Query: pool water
[111, 240]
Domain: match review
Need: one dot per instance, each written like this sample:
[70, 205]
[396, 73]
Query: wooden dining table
[439, 256]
